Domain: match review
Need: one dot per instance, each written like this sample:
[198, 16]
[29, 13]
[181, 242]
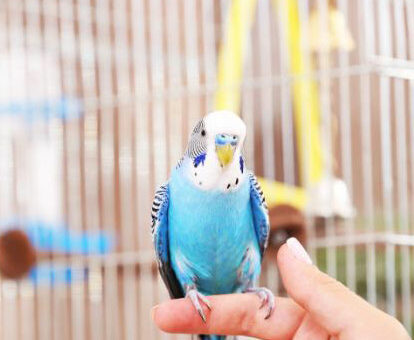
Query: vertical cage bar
[125, 162]
[60, 302]
[89, 72]
[192, 67]
[248, 105]
[5, 126]
[143, 155]
[9, 297]
[367, 41]
[69, 55]
[17, 51]
[106, 161]
[175, 80]
[266, 101]
[175, 103]
[5, 149]
[346, 153]
[36, 61]
[303, 14]
[401, 143]
[209, 51]
[20, 23]
[385, 49]
[159, 126]
[410, 33]
[326, 126]
[288, 133]
[18, 79]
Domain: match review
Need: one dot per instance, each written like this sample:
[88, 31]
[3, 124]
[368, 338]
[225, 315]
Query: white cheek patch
[231, 180]
[205, 175]
[211, 176]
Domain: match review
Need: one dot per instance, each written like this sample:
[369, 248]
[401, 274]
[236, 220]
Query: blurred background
[98, 97]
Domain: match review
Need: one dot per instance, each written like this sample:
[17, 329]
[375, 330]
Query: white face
[223, 138]
[224, 122]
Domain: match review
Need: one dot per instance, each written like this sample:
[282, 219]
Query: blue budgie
[210, 224]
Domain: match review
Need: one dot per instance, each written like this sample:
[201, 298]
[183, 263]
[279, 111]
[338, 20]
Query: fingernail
[298, 251]
[153, 312]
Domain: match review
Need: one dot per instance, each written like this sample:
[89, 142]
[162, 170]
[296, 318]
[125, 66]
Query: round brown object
[17, 254]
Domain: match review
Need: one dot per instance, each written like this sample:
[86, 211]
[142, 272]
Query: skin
[319, 307]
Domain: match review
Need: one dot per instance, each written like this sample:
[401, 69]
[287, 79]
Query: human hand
[319, 307]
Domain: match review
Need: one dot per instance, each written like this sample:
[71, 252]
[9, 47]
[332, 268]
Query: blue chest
[209, 233]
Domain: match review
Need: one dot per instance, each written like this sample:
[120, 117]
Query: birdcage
[97, 99]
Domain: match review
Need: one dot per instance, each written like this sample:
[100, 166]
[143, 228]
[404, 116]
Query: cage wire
[97, 99]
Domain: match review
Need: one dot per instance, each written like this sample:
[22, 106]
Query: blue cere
[224, 139]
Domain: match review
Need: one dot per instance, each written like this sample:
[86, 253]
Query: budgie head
[213, 159]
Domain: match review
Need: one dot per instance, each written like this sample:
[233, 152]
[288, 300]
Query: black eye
[203, 132]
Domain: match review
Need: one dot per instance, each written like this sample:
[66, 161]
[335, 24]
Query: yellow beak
[224, 154]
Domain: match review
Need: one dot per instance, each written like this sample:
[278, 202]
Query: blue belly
[209, 233]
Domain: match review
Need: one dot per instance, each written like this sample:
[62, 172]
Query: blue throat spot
[199, 159]
[241, 161]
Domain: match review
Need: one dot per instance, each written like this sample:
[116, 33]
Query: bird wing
[159, 231]
[260, 214]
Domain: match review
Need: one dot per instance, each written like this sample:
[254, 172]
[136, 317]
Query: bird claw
[266, 298]
[263, 298]
[195, 298]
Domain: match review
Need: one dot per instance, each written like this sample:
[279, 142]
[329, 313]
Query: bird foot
[195, 298]
[266, 298]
